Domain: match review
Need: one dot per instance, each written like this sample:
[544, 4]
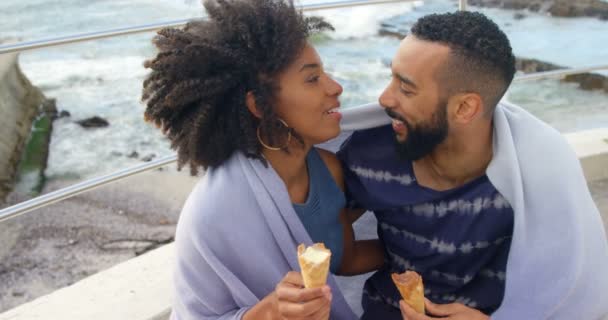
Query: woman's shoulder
[333, 164]
[217, 200]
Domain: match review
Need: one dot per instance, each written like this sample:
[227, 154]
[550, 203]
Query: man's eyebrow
[402, 78]
[406, 80]
[309, 66]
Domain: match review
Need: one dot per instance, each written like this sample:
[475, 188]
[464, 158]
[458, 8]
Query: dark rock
[116, 153]
[518, 16]
[589, 81]
[557, 8]
[49, 106]
[64, 114]
[391, 33]
[133, 155]
[534, 65]
[148, 158]
[94, 122]
[18, 293]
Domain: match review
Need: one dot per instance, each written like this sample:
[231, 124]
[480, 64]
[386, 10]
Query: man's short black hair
[481, 59]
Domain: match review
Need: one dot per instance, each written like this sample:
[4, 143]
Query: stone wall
[19, 105]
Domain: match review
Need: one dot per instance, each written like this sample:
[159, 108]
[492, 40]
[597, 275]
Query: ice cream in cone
[411, 288]
[314, 263]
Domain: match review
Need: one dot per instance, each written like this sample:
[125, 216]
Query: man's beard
[424, 138]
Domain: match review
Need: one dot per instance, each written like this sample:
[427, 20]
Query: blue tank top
[320, 213]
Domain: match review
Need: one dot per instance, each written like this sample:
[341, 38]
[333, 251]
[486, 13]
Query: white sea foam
[361, 21]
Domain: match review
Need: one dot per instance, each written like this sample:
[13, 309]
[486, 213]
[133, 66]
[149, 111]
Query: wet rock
[148, 158]
[557, 8]
[534, 65]
[49, 106]
[64, 114]
[589, 81]
[94, 122]
[518, 16]
[586, 81]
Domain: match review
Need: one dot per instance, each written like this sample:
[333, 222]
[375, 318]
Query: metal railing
[462, 5]
[53, 42]
[78, 188]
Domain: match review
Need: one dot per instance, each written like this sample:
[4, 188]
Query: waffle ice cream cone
[314, 263]
[411, 288]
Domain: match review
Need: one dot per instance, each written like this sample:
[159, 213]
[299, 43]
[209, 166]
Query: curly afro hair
[202, 73]
[481, 59]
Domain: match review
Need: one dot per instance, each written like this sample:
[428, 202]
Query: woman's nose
[333, 87]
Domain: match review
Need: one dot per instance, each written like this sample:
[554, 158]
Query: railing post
[462, 5]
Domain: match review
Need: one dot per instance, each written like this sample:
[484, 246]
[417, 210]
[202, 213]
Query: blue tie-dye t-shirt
[458, 240]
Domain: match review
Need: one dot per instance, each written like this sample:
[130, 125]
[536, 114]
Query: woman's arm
[267, 308]
[290, 300]
[359, 256]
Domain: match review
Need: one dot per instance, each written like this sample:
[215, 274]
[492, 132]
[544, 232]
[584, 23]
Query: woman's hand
[296, 302]
[451, 311]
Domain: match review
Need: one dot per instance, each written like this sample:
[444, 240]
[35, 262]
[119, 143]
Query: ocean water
[104, 77]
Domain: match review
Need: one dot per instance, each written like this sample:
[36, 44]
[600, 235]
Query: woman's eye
[313, 79]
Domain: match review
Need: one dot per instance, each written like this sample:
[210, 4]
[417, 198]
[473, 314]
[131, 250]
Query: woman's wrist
[267, 308]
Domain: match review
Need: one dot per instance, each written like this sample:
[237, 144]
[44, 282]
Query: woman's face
[308, 99]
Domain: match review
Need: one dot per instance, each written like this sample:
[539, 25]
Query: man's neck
[456, 161]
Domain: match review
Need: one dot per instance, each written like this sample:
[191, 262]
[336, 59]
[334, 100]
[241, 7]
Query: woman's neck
[291, 168]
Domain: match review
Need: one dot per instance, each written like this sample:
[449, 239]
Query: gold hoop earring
[275, 148]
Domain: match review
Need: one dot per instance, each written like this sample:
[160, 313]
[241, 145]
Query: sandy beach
[58, 245]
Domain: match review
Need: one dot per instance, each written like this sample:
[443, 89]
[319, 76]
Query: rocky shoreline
[556, 8]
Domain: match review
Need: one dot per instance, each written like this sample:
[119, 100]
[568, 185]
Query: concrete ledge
[591, 147]
[140, 289]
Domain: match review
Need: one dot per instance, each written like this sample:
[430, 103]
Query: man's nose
[386, 99]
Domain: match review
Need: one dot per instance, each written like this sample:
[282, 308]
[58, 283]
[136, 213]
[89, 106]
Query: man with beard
[432, 179]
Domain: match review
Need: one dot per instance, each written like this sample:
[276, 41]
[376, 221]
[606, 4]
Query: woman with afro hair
[244, 95]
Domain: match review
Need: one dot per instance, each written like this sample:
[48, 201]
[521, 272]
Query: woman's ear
[250, 101]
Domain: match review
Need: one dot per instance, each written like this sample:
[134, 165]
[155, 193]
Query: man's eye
[405, 91]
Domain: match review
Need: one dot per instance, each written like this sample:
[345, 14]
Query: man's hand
[451, 311]
[296, 302]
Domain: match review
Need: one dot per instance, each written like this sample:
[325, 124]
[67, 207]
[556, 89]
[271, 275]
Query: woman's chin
[327, 135]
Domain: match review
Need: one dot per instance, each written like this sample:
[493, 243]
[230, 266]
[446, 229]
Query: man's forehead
[415, 54]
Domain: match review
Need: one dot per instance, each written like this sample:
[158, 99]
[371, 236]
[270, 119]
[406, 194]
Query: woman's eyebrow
[309, 66]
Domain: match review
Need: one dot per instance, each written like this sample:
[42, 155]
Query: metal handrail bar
[78, 188]
[68, 192]
[557, 74]
[462, 5]
[52, 42]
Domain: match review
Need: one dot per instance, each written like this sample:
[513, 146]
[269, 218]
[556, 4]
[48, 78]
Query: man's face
[412, 98]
